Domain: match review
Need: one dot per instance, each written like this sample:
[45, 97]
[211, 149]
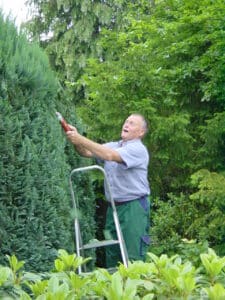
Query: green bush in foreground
[161, 278]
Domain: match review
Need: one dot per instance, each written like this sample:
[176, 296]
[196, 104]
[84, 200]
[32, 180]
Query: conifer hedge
[35, 203]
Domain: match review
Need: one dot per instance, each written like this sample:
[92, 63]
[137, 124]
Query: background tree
[68, 30]
[169, 66]
[158, 65]
[35, 206]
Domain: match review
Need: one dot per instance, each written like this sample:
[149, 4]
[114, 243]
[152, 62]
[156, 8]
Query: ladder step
[96, 243]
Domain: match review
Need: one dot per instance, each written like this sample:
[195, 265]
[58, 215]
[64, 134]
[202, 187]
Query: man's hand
[72, 134]
[76, 139]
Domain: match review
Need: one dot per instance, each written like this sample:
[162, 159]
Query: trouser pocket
[144, 202]
[144, 245]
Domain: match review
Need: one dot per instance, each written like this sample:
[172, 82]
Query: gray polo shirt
[128, 180]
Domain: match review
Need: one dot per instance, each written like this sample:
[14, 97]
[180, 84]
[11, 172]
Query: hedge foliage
[35, 159]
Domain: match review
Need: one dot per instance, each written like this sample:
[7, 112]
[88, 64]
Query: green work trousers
[134, 218]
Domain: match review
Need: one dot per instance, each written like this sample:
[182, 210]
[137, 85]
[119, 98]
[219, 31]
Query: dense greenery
[68, 30]
[164, 59]
[163, 277]
[35, 204]
[168, 64]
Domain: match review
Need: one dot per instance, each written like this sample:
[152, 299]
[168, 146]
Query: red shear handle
[64, 124]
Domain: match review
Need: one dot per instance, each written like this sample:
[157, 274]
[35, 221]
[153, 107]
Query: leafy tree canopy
[169, 66]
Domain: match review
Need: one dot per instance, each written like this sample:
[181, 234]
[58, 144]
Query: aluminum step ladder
[80, 247]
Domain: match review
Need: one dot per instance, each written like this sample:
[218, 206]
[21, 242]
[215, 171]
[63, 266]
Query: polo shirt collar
[122, 143]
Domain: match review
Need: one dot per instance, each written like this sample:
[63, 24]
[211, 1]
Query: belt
[117, 203]
[123, 202]
[142, 200]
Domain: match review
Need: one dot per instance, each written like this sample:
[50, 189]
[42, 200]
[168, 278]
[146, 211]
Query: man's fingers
[72, 128]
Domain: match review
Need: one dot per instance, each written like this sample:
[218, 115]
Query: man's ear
[142, 133]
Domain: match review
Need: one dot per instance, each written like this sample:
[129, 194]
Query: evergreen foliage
[35, 204]
[69, 30]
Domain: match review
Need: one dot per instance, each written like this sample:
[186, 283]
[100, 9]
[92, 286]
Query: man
[126, 166]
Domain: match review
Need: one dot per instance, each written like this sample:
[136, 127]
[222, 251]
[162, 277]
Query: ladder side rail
[76, 223]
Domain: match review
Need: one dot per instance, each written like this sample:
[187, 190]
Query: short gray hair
[144, 121]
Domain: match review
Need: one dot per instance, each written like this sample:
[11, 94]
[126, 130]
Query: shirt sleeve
[133, 154]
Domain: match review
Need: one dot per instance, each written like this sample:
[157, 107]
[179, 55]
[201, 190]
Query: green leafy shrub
[199, 216]
[162, 277]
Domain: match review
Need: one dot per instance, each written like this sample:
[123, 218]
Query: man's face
[132, 128]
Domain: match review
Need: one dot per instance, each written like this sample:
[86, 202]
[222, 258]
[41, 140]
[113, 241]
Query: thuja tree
[69, 31]
[35, 204]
